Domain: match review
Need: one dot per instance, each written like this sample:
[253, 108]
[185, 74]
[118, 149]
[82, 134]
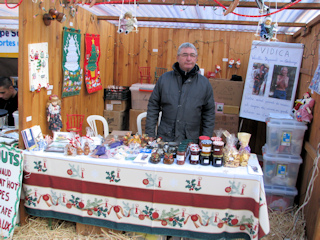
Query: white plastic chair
[143, 115]
[92, 123]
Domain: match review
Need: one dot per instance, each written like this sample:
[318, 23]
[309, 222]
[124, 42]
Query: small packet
[244, 150]
[218, 136]
[70, 150]
[231, 155]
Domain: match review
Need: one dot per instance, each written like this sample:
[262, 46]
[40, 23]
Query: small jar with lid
[181, 158]
[217, 160]
[206, 146]
[205, 158]
[168, 158]
[194, 155]
[203, 138]
[217, 147]
[155, 158]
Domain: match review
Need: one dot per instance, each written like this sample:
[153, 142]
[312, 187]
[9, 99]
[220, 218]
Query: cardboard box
[227, 109]
[140, 94]
[229, 122]
[116, 105]
[226, 91]
[133, 114]
[117, 120]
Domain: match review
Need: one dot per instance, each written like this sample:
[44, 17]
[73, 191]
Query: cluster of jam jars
[165, 152]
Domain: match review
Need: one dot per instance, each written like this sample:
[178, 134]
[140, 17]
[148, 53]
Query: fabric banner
[315, 83]
[271, 80]
[72, 73]
[38, 59]
[91, 63]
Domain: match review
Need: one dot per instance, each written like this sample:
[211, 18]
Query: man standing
[8, 98]
[185, 98]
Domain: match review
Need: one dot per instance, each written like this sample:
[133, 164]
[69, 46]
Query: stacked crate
[117, 100]
[281, 161]
[140, 94]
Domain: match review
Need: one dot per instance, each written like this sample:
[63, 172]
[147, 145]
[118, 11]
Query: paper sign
[11, 172]
[272, 79]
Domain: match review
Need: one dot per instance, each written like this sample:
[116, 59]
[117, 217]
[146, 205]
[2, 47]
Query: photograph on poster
[259, 76]
[283, 78]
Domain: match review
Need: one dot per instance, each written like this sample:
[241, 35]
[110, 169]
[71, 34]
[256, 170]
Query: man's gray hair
[187, 45]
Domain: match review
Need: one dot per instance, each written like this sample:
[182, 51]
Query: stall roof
[195, 14]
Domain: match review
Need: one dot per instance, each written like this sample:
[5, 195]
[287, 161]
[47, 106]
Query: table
[176, 200]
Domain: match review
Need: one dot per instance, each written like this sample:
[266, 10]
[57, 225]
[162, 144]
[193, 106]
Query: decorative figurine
[266, 29]
[128, 23]
[231, 62]
[86, 149]
[54, 113]
[302, 111]
[218, 69]
[238, 63]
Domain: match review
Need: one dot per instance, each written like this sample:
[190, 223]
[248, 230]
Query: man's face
[187, 59]
[5, 93]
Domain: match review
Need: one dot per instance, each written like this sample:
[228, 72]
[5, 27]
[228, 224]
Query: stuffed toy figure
[128, 23]
[266, 29]
[302, 111]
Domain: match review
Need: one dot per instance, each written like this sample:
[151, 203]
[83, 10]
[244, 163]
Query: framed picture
[219, 107]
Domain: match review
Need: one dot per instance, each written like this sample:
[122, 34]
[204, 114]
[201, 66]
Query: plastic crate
[279, 198]
[285, 136]
[140, 94]
[280, 169]
[120, 93]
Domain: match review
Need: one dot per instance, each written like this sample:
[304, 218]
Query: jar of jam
[217, 147]
[206, 146]
[181, 158]
[205, 158]
[168, 158]
[203, 138]
[217, 160]
[194, 155]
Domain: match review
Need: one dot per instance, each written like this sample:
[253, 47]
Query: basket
[122, 93]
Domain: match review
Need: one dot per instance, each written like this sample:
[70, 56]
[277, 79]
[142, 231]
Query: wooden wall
[33, 30]
[312, 136]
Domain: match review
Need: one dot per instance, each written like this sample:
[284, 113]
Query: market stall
[178, 200]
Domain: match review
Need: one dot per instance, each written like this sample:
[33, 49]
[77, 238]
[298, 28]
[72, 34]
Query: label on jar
[194, 157]
[217, 149]
[180, 157]
[206, 149]
[218, 161]
[206, 161]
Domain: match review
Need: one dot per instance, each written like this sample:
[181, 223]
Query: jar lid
[216, 139]
[218, 143]
[195, 149]
[206, 142]
[3, 112]
[204, 138]
[205, 154]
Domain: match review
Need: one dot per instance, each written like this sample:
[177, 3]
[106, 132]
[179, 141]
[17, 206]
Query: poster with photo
[38, 66]
[271, 80]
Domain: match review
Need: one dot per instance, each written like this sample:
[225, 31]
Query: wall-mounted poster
[91, 63]
[38, 66]
[72, 73]
[272, 78]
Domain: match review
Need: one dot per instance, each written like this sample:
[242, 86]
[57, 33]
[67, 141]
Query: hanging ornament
[232, 7]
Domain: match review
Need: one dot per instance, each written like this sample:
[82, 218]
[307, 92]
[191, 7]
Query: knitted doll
[54, 113]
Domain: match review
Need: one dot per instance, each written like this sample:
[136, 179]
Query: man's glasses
[185, 55]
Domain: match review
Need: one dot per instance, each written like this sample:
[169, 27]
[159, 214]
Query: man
[282, 84]
[185, 98]
[8, 98]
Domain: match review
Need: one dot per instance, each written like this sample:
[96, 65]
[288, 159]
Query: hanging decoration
[128, 22]
[91, 63]
[72, 73]
[267, 29]
[38, 66]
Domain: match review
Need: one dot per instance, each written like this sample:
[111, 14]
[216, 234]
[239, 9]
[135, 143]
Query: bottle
[217, 160]
[205, 158]
[194, 155]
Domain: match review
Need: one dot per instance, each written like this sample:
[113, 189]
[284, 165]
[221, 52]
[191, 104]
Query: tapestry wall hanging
[38, 66]
[72, 73]
[91, 63]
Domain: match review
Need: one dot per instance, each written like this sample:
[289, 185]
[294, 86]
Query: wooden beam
[310, 150]
[203, 21]
[304, 31]
[298, 6]
[10, 18]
